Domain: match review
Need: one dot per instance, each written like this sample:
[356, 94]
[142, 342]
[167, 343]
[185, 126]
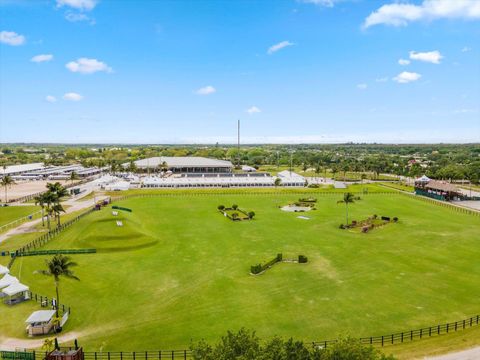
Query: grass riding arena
[176, 271]
[9, 214]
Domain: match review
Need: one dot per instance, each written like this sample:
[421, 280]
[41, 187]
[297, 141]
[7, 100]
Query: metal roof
[182, 162]
[15, 288]
[14, 169]
[40, 316]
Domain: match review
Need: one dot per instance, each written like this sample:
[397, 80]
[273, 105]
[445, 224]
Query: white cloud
[88, 66]
[327, 3]
[362, 86]
[382, 79]
[406, 77]
[274, 48]
[82, 5]
[76, 17]
[51, 99]
[466, 49]
[400, 14]
[71, 96]
[206, 90]
[403, 62]
[11, 38]
[433, 57]
[253, 110]
[42, 58]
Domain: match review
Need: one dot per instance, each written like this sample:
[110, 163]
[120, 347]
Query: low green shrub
[234, 206]
[256, 269]
[221, 207]
[251, 214]
[302, 259]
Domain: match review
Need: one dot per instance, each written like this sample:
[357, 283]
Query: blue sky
[317, 71]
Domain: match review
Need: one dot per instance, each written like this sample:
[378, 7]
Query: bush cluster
[245, 345]
[302, 259]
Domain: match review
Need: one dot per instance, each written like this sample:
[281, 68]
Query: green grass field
[12, 213]
[178, 270]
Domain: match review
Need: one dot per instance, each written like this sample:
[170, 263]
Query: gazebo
[40, 322]
[16, 293]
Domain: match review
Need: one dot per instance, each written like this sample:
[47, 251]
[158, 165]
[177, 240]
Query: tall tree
[6, 182]
[41, 201]
[348, 198]
[59, 266]
[73, 176]
[56, 192]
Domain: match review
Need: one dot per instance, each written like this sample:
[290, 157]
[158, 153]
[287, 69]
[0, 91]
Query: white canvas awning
[15, 289]
[8, 280]
[3, 270]
[424, 178]
[40, 316]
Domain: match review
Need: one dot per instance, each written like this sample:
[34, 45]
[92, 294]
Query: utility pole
[238, 144]
[291, 161]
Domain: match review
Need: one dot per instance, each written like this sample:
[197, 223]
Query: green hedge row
[257, 269]
[54, 252]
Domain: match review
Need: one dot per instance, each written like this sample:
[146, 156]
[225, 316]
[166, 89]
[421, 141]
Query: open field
[178, 271]
[12, 213]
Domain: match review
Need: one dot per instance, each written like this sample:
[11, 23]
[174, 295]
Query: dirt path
[74, 205]
[14, 343]
[470, 354]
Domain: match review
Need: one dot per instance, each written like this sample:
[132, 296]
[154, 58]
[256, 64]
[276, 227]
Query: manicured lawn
[12, 213]
[177, 271]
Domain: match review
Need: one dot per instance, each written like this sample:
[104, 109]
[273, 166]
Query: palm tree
[132, 167]
[73, 176]
[57, 209]
[40, 200]
[318, 168]
[52, 198]
[6, 182]
[59, 266]
[348, 198]
[363, 177]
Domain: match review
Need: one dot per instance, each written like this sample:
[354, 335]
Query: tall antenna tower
[238, 144]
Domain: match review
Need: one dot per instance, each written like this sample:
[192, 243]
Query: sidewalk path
[74, 205]
[470, 354]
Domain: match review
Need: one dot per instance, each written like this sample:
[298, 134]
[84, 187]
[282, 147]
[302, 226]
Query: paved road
[470, 354]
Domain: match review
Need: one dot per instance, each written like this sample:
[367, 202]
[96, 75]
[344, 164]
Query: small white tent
[423, 179]
[14, 289]
[3, 270]
[8, 280]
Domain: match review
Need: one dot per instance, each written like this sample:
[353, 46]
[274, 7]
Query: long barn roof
[182, 162]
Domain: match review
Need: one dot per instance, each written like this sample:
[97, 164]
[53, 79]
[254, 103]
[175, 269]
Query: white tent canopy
[3, 270]
[40, 316]
[424, 178]
[15, 289]
[8, 280]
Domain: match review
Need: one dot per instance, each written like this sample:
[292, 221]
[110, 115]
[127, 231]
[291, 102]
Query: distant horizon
[231, 144]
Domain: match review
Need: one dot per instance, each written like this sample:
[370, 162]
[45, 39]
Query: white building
[185, 164]
[289, 178]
